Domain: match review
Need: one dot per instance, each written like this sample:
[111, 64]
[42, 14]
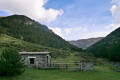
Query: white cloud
[32, 8]
[78, 33]
[115, 10]
[111, 26]
[57, 31]
[67, 33]
[95, 34]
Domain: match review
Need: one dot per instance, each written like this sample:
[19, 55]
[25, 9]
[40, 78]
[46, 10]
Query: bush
[10, 63]
[115, 57]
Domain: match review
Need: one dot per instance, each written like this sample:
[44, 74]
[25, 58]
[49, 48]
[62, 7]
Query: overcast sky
[70, 19]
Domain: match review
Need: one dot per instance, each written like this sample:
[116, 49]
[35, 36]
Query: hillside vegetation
[22, 27]
[108, 47]
[59, 55]
[10, 42]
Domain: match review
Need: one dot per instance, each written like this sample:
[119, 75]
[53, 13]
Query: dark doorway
[47, 59]
[32, 60]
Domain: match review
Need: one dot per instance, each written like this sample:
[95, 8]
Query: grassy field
[100, 73]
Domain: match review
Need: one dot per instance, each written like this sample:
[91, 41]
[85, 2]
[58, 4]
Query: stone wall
[87, 66]
[40, 60]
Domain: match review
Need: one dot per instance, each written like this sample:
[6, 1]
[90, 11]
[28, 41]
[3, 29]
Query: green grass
[100, 73]
[70, 58]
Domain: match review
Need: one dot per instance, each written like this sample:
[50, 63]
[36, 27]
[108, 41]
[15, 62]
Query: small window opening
[32, 60]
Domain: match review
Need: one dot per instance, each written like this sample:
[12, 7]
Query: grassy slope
[57, 54]
[8, 41]
[100, 73]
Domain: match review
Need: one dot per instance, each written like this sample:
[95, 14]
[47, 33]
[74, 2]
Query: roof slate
[34, 52]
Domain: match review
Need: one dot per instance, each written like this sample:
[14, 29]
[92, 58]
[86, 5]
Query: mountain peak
[1, 16]
[18, 17]
[22, 27]
[85, 43]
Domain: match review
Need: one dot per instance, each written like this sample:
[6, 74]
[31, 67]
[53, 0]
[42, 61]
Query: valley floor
[100, 73]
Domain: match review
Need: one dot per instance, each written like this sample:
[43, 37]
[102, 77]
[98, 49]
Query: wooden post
[66, 65]
[42, 65]
[36, 65]
[58, 65]
[81, 66]
[62, 67]
[53, 64]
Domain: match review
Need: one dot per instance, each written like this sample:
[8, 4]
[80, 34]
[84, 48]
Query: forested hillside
[22, 27]
[109, 47]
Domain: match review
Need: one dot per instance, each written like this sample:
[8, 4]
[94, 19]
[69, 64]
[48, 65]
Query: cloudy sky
[70, 19]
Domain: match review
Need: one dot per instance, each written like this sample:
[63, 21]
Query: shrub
[114, 57]
[10, 63]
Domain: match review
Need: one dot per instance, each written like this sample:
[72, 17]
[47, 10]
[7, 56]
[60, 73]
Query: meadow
[100, 73]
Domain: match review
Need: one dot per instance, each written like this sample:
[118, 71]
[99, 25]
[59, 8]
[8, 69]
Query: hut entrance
[32, 60]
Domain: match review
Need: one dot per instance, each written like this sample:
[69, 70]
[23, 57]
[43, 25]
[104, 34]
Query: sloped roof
[34, 52]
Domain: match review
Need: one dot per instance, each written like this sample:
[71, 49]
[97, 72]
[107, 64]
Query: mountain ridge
[108, 47]
[85, 43]
[22, 27]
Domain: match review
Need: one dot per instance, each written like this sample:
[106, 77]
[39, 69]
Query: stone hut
[36, 59]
